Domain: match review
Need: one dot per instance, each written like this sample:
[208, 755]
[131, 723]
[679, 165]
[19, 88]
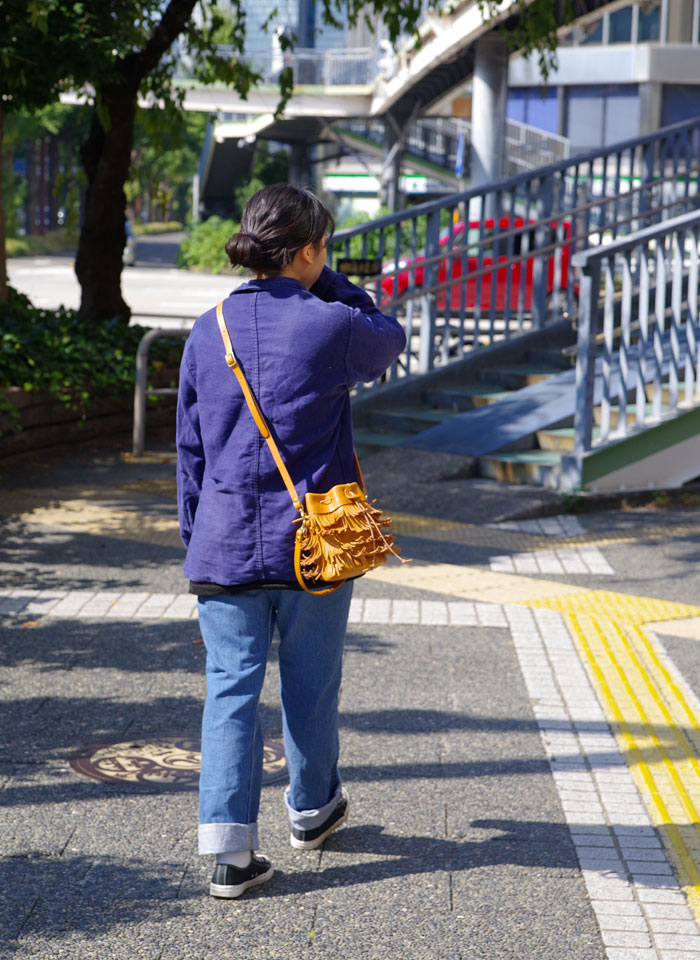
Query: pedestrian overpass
[335, 89]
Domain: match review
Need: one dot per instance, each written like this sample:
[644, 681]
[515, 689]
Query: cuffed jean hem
[310, 819]
[227, 837]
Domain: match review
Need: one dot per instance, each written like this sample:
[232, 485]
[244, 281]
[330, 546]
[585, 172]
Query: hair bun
[276, 222]
[245, 250]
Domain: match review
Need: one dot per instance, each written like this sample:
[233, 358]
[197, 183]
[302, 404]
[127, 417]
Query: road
[157, 292]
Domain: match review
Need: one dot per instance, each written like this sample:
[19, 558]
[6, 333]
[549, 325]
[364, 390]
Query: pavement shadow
[88, 894]
[66, 560]
[524, 843]
[408, 720]
[50, 896]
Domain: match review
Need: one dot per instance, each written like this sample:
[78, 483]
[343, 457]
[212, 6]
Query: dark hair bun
[245, 250]
[276, 222]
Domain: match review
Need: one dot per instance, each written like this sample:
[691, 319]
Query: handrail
[508, 183]
[141, 391]
[639, 343]
[585, 257]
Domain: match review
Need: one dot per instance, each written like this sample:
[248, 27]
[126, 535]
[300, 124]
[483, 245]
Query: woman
[303, 336]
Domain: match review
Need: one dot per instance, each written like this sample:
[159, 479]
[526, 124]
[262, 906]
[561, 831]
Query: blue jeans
[237, 630]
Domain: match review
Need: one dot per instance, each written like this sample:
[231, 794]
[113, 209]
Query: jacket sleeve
[190, 451]
[375, 340]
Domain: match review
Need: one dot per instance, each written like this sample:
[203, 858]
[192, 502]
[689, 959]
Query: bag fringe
[346, 541]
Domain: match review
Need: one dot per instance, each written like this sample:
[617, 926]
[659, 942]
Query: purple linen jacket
[301, 350]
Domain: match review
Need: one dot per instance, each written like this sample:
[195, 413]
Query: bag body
[340, 536]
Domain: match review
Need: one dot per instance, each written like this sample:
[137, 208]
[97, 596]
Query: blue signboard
[459, 159]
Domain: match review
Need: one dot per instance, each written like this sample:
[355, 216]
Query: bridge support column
[489, 93]
[394, 137]
[299, 166]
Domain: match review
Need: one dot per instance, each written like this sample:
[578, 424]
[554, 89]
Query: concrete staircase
[532, 458]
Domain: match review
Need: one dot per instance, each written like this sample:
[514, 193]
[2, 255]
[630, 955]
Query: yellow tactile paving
[48, 508]
[471, 583]
[649, 710]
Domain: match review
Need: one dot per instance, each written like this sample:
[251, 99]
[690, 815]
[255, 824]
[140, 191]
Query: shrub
[203, 247]
[156, 226]
[61, 354]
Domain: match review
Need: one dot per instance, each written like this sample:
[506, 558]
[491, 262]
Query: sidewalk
[520, 749]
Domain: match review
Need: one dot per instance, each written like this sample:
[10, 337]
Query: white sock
[235, 858]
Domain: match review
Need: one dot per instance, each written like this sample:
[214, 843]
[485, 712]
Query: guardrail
[330, 68]
[647, 332]
[493, 262]
[352, 66]
[439, 139]
[141, 390]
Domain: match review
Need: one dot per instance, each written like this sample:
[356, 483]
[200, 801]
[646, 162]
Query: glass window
[594, 33]
[621, 25]
[649, 25]
[622, 117]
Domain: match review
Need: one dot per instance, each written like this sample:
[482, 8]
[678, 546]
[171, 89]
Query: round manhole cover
[170, 761]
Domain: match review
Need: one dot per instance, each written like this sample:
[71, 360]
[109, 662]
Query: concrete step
[559, 439]
[368, 442]
[463, 398]
[535, 467]
[548, 358]
[666, 393]
[631, 414]
[407, 420]
[517, 376]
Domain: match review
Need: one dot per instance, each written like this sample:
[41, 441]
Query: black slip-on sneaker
[310, 839]
[230, 882]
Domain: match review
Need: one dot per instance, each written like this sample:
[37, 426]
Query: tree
[141, 65]
[61, 127]
[163, 160]
[123, 50]
[35, 63]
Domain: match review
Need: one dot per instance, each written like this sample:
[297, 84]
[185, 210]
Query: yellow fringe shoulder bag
[341, 533]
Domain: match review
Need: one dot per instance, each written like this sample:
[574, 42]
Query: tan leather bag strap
[254, 408]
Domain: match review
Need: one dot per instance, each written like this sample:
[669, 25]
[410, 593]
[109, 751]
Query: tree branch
[139, 64]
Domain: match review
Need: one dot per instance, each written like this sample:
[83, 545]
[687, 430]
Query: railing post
[585, 360]
[644, 203]
[426, 359]
[141, 384]
[539, 268]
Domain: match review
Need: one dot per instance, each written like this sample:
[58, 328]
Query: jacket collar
[270, 283]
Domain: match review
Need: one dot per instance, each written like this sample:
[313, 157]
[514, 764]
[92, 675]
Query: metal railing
[141, 389]
[641, 348]
[331, 68]
[439, 139]
[528, 148]
[495, 261]
[353, 66]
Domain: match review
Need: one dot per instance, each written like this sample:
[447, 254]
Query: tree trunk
[106, 157]
[3, 231]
